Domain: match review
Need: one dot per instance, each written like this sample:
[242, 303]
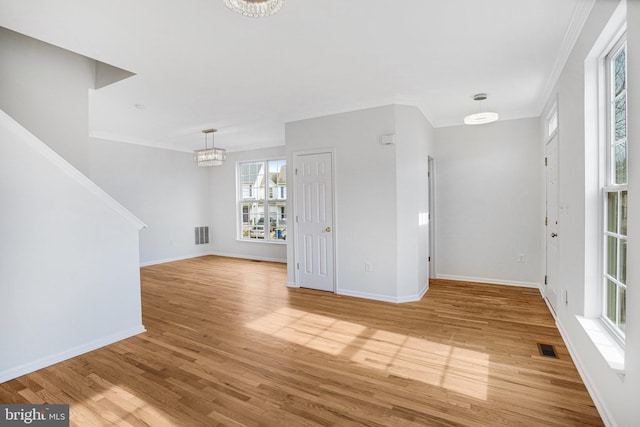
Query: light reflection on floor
[456, 369]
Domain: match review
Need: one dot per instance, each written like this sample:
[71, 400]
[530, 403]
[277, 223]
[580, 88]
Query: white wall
[164, 188]
[615, 396]
[365, 204]
[223, 205]
[629, 411]
[45, 88]
[490, 190]
[373, 198]
[415, 140]
[69, 276]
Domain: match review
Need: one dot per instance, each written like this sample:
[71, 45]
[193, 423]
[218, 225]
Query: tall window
[262, 195]
[615, 192]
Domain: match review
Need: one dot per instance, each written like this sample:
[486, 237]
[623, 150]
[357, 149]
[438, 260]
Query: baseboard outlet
[489, 281]
[27, 368]
[607, 419]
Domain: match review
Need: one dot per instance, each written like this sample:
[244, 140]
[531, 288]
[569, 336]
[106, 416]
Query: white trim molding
[251, 257]
[489, 281]
[384, 298]
[605, 414]
[45, 151]
[214, 253]
[579, 18]
[52, 359]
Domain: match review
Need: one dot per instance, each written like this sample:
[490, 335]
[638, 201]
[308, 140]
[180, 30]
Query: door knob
[554, 234]
[328, 229]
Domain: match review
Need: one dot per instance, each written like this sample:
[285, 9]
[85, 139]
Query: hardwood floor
[228, 344]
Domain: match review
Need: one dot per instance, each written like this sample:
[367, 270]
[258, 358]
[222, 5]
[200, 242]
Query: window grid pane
[612, 212]
[623, 213]
[623, 261]
[262, 207]
[253, 227]
[620, 162]
[612, 257]
[616, 196]
[277, 179]
[612, 289]
[622, 309]
[620, 71]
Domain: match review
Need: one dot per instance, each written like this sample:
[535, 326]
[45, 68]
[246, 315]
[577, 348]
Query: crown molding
[579, 18]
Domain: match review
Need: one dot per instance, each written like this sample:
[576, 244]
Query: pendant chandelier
[482, 117]
[254, 8]
[210, 156]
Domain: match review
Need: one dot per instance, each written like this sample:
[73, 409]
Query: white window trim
[596, 113]
[240, 200]
[608, 187]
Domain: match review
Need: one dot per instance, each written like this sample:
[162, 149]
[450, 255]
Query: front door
[551, 279]
[313, 180]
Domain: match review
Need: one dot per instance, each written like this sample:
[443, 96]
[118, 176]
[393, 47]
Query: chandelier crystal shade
[254, 8]
[483, 117]
[210, 156]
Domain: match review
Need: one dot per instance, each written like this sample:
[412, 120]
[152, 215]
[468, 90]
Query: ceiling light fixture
[210, 156]
[254, 8]
[483, 117]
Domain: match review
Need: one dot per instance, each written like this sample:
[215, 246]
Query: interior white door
[313, 178]
[551, 278]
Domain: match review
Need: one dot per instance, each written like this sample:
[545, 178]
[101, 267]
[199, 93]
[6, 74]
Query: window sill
[608, 347]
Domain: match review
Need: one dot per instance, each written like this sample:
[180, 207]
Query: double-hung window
[615, 193]
[262, 200]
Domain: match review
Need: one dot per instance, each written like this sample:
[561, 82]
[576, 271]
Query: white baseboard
[379, 297]
[165, 260]
[605, 414]
[224, 254]
[489, 281]
[252, 257]
[27, 368]
[292, 285]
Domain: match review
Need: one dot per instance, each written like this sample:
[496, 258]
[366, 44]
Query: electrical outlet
[521, 258]
[368, 268]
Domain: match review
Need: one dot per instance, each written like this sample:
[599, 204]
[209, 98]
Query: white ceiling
[199, 65]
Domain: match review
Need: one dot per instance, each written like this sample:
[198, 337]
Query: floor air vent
[202, 235]
[547, 350]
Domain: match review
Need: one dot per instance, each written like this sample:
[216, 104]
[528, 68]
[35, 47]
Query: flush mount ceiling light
[254, 8]
[482, 117]
[210, 156]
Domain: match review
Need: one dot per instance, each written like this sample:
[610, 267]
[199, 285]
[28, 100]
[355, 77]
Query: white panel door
[313, 177]
[551, 279]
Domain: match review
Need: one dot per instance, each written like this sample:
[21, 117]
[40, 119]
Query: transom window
[615, 192]
[262, 195]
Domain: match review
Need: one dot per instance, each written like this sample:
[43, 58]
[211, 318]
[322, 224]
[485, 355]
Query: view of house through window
[262, 193]
[616, 195]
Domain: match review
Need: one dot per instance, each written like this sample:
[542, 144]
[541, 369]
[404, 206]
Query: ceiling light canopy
[483, 117]
[254, 8]
[210, 156]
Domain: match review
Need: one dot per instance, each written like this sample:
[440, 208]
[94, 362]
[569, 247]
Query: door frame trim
[431, 170]
[334, 221]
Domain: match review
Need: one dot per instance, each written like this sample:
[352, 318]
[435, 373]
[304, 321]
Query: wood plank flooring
[228, 344]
